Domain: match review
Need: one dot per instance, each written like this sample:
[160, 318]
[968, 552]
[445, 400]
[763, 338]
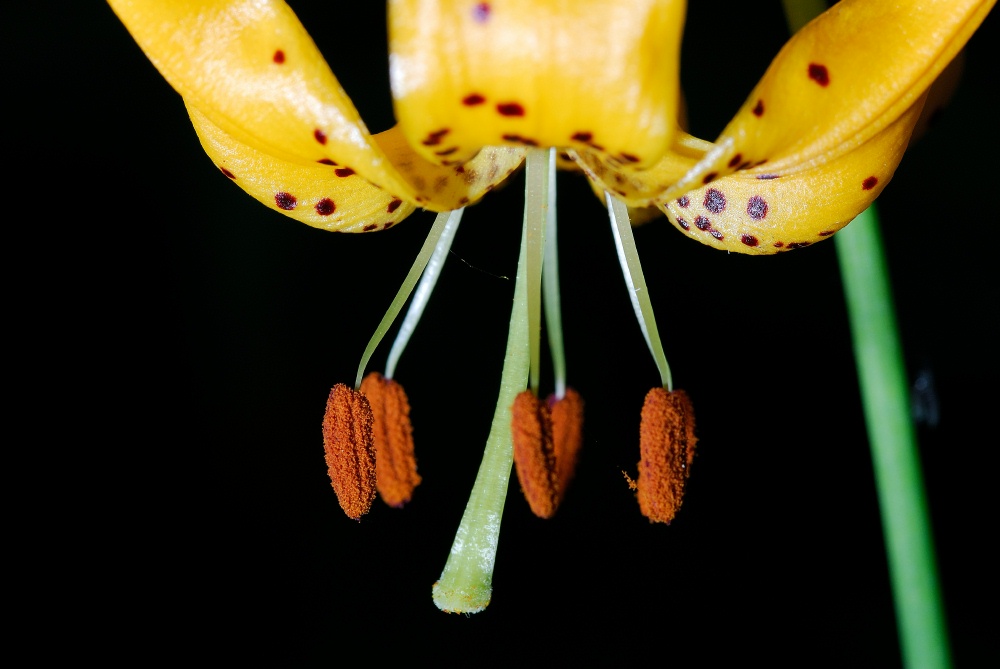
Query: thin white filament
[628, 255]
[536, 206]
[432, 256]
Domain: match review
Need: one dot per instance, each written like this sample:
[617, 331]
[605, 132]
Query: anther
[350, 454]
[666, 444]
[547, 437]
[395, 462]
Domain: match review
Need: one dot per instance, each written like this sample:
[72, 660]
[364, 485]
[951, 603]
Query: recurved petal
[839, 82]
[760, 211]
[588, 74]
[328, 196]
[252, 70]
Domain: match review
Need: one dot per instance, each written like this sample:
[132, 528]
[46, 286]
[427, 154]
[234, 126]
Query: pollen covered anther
[666, 442]
[350, 453]
[395, 461]
[547, 437]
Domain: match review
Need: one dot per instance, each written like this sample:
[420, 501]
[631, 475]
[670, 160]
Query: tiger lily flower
[480, 88]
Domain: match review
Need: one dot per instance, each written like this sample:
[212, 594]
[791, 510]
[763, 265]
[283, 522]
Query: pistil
[466, 584]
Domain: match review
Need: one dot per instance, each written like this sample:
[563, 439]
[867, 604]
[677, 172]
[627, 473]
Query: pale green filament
[432, 256]
[424, 289]
[536, 206]
[466, 584]
[628, 255]
[550, 288]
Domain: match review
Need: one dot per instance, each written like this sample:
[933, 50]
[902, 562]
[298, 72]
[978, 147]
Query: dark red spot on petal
[684, 201]
[434, 138]
[798, 245]
[715, 201]
[715, 233]
[767, 176]
[320, 136]
[826, 233]
[227, 173]
[519, 139]
[819, 74]
[459, 170]
[343, 171]
[285, 201]
[463, 201]
[869, 183]
[481, 12]
[326, 161]
[749, 240]
[629, 157]
[325, 207]
[473, 99]
[394, 205]
[446, 152]
[582, 136]
[684, 224]
[757, 207]
[510, 109]
[702, 223]
[778, 245]
[370, 227]
[758, 109]
[279, 57]
[709, 177]
[736, 160]
[743, 165]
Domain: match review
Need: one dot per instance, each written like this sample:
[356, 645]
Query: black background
[181, 340]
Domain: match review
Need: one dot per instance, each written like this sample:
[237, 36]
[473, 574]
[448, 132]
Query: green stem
[466, 584]
[878, 355]
[884, 393]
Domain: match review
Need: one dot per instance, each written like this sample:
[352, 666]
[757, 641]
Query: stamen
[466, 584]
[666, 443]
[432, 256]
[534, 453]
[567, 435]
[628, 255]
[547, 437]
[350, 455]
[395, 462]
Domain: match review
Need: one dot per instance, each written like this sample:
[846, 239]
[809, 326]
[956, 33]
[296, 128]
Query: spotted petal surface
[824, 130]
[587, 74]
[249, 69]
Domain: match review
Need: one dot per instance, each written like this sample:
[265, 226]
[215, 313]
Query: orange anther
[350, 454]
[666, 444]
[547, 437]
[395, 462]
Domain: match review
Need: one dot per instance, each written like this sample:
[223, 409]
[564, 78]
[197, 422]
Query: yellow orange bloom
[478, 86]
